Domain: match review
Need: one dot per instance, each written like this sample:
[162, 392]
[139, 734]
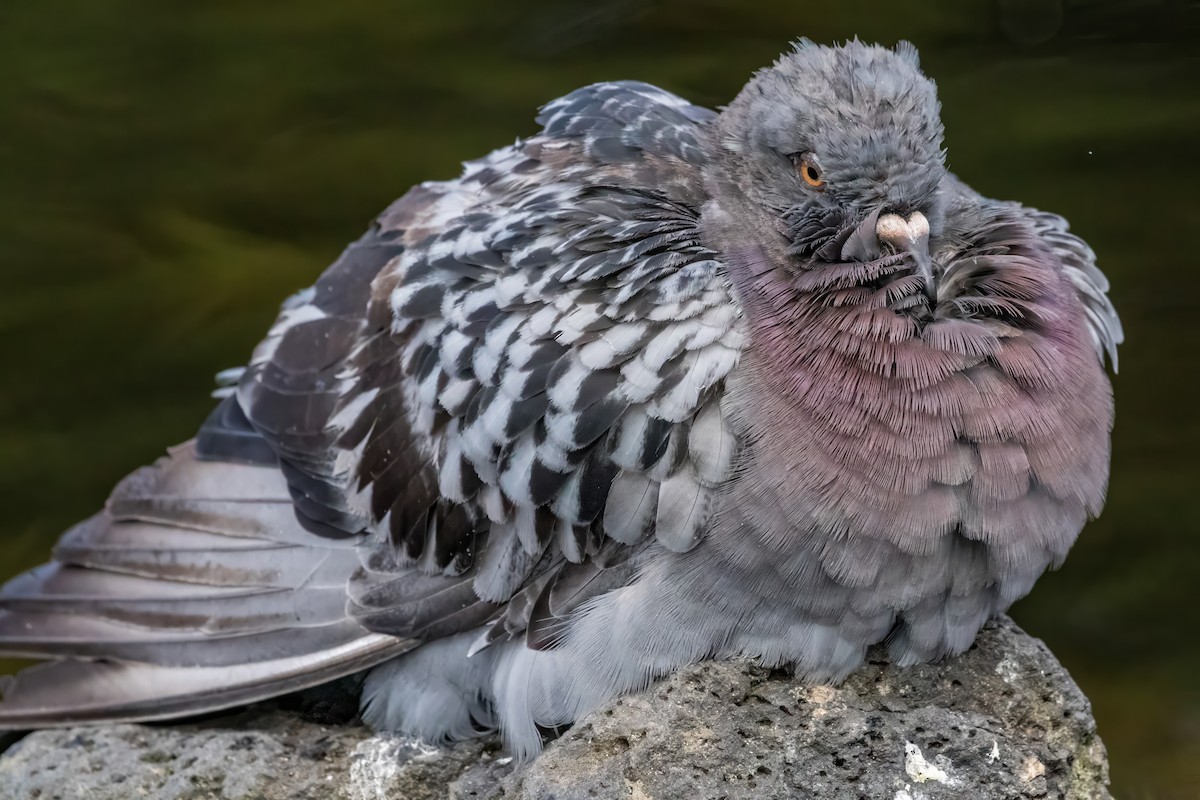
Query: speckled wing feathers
[505, 349]
[292, 391]
[536, 333]
[500, 368]
[622, 120]
[560, 340]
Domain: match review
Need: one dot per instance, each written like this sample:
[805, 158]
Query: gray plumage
[652, 386]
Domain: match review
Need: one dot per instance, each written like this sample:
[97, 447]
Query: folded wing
[476, 419]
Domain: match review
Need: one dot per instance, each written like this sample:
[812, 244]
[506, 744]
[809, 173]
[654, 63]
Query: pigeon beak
[919, 250]
[910, 236]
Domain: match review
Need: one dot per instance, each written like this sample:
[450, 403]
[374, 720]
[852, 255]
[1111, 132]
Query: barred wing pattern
[538, 387]
[479, 414]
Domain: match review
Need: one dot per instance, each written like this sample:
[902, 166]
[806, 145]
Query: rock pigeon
[652, 386]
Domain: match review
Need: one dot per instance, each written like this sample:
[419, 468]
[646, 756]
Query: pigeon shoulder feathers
[478, 414]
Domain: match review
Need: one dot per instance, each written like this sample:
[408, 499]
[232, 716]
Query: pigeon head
[839, 149]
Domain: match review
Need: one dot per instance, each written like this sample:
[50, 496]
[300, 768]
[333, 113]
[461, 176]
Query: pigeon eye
[809, 171]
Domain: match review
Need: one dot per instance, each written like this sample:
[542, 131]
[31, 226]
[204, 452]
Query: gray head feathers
[867, 114]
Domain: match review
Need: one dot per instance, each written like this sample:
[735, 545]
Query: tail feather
[73, 691]
[52, 635]
[139, 602]
[195, 589]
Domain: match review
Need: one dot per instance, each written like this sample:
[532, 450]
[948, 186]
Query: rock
[1002, 721]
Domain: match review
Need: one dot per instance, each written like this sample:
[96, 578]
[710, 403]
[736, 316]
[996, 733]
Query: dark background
[170, 171]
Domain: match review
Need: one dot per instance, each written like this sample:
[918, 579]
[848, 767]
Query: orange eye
[810, 172]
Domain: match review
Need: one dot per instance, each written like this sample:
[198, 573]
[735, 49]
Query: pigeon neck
[904, 432]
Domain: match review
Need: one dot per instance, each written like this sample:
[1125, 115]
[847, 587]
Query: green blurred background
[170, 171]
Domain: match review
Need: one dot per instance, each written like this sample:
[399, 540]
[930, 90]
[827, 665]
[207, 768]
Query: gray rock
[1003, 721]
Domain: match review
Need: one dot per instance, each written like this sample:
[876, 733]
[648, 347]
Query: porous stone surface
[1002, 721]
